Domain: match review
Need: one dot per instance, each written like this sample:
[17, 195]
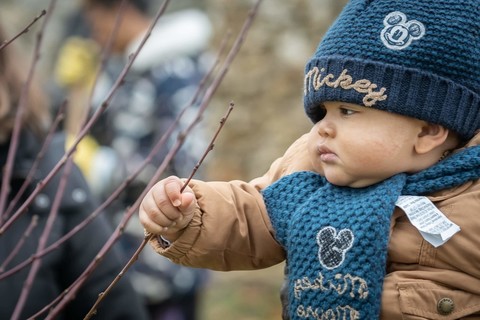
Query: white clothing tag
[433, 225]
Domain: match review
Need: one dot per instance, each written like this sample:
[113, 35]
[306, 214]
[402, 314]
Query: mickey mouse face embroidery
[399, 33]
[333, 246]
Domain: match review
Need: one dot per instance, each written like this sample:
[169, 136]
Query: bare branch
[25, 30]
[87, 126]
[19, 115]
[210, 146]
[100, 209]
[48, 139]
[43, 240]
[60, 302]
[71, 291]
[18, 246]
[104, 57]
[147, 237]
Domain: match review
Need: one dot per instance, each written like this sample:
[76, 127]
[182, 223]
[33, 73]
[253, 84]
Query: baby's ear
[430, 137]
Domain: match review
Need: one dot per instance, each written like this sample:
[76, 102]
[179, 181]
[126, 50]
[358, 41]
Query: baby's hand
[165, 210]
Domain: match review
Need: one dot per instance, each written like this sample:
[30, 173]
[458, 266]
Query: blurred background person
[161, 82]
[259, 82]
[60, 268]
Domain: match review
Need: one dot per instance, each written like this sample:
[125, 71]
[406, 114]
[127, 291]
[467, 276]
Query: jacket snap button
[445, 306]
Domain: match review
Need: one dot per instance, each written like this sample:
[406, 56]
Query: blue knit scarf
[336, 237]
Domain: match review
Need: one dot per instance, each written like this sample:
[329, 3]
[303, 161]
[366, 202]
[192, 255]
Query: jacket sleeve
[231, 229]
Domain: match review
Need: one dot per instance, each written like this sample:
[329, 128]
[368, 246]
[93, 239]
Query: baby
[373, 209]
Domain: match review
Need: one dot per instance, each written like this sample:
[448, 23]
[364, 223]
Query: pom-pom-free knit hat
[416, 58]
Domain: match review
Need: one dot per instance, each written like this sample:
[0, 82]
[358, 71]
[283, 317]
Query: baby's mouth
[326, 155]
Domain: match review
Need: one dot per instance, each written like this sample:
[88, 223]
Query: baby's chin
[350, 182]
[338, 177]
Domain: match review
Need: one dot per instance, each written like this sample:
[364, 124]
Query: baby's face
[357, 146]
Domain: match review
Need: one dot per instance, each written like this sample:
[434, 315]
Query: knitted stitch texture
[416, 58]
[336, 238]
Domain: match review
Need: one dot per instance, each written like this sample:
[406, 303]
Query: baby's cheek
[386, 164]
[376, 155]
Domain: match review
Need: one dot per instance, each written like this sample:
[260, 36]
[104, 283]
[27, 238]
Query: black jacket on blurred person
[60, 268]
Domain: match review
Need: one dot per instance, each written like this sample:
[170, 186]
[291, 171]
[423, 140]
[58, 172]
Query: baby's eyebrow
[351, 106]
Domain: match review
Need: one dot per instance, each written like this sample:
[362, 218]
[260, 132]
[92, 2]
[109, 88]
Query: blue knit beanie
[419, 58]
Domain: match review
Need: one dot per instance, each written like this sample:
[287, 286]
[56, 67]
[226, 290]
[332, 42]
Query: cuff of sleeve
[164, 243]
[177, 250]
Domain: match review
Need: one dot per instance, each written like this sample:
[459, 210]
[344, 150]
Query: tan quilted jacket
[231, 231]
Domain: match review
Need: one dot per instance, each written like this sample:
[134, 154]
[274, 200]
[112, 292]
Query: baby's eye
[347, 112]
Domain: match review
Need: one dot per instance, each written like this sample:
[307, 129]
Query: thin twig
[70, 292]
[22, 105]
[100, 209]
[105, 54]
[147, 237]
[210, 146]
[25, 30]
[18, 246]
[87, 126]
[181, 137]
[27, 286]
[46, 143]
